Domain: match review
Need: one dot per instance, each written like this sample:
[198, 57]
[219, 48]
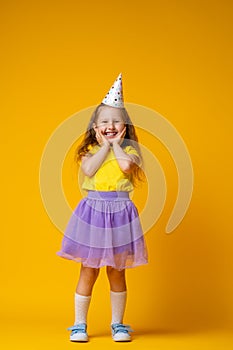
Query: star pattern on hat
[114, 97]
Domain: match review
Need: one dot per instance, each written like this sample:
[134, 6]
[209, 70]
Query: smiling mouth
[111, 134]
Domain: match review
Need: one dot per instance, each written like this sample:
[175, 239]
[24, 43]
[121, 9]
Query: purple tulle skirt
[105, 230]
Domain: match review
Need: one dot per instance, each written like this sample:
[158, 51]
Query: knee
[116, 279]
[114, 274]
[89, 273]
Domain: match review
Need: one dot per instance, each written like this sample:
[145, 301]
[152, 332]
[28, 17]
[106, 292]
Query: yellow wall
[59, 57]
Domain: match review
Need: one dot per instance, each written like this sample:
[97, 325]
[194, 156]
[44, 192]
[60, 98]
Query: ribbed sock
[82, 303]
[118, 303]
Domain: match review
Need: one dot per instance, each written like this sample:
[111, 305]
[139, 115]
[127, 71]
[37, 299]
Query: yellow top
[109, 177]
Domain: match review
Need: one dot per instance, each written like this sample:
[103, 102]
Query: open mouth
[110, 134]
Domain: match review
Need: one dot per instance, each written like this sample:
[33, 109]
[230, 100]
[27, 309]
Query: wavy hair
[130, 139]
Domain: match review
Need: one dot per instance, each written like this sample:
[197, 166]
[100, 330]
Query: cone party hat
[114, 97]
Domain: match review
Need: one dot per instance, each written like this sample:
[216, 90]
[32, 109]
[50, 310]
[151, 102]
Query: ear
[94, 125]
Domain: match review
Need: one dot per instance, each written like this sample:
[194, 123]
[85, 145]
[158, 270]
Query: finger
[123, 131]
[103, 136]
[98, 136]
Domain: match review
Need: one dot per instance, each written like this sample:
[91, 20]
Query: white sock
[118, 303]
[82, 303]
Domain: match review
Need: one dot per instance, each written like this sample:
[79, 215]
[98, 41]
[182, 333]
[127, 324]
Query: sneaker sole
[79, 340]
[116, 339]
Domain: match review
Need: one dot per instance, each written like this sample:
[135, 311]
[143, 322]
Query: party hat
[114, 97]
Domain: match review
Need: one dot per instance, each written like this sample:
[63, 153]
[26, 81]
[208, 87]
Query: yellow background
[58, 57]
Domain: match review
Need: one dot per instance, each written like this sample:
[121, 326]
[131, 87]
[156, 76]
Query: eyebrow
[114, 118]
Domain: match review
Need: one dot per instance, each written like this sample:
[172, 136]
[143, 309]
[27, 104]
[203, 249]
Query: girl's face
[110, 122]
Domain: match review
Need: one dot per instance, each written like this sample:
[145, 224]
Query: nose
[111, 125]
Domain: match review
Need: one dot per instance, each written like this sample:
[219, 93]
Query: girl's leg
[84, 288]
[87, 278]
[118, 293]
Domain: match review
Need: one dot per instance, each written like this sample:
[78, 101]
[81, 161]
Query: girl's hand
[101, 139]
[120, 138]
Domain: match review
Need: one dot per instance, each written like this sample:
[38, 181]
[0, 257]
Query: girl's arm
[126, 162]
[91, 163]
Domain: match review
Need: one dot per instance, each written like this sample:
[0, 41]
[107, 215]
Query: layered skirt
[105, 230]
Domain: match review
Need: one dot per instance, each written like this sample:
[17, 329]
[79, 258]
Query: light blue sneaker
[120, 332]
[79, 332]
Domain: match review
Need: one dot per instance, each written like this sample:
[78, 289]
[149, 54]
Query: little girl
[104, 229]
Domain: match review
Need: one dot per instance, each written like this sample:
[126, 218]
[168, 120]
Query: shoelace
[122, 328]
[77, 328]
